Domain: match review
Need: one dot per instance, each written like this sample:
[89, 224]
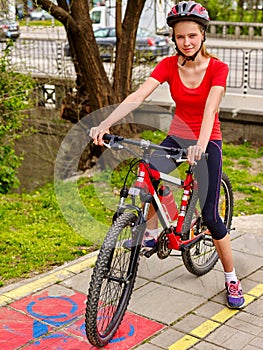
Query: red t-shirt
[190, 103]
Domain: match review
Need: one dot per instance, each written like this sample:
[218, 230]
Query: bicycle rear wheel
[112, 281]
[202, 257]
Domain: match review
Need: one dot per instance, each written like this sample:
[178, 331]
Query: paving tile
[256, 308]
[256, 343]
[230, 338]
[247, 323]
[79, 282]
[140, 282]
[246, 264]
[250, 319]
[153, 267]
[203, 345]
[59, 340]
[14, 329]
[166, 338]
[209, 309]
[250, 347]
[55, 305]
[257, 276]
[148, 346]
[188, 323]
[206, 286]
[251, 243]
[249, 223]
[162, 303]
[5, 300]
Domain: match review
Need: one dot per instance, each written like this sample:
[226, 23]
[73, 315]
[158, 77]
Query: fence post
[237, 32]
[246, 67]
[59, 57]
[251, 32]
[224, 31]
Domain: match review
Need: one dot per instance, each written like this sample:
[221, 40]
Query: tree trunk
[126, 38]
[94, 90]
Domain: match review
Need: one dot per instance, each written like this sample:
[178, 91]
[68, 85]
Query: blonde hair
[205, 53]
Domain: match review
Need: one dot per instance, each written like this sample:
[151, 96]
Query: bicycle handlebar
[145, 144]
[181, 153]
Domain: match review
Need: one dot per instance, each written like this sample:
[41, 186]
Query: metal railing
[245, 68]
[45, 58]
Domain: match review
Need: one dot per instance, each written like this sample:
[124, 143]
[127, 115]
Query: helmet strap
[189, 58]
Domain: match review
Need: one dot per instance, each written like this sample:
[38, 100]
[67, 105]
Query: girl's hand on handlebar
[194, 153]
[96, 133]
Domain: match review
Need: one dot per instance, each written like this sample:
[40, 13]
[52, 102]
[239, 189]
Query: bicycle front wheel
[202, 257]
[112, 281]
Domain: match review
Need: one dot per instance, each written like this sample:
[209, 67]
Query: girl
[197, 82]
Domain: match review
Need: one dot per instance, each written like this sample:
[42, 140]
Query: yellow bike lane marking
[49, 279]
[216, 321]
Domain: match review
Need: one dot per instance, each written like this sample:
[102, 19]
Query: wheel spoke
[202, 257]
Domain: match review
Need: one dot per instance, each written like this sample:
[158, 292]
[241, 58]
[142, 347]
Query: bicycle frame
[144, 187]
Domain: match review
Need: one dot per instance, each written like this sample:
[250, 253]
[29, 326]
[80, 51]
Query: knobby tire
[112, 281]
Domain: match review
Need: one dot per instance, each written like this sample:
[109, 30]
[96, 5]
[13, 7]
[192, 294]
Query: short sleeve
[219, 73]
[162, 71]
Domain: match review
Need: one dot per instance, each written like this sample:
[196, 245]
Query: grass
[40, 23]
[243, 164]
[35, 235]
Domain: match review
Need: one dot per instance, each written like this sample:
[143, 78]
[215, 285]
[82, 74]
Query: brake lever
[112, 145]
[106, 145]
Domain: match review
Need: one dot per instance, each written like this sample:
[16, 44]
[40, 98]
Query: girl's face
[188, 37]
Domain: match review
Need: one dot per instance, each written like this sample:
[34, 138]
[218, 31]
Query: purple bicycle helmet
[188, 10]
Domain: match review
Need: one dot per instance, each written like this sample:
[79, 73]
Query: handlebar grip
[107, 137]
[110, 137]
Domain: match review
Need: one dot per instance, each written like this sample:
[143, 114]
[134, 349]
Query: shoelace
[233, 288]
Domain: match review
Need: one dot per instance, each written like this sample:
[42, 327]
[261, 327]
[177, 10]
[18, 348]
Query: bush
[14, 98]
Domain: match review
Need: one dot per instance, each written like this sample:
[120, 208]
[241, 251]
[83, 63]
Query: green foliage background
[14, 98]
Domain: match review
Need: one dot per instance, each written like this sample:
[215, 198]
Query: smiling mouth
[188, 50]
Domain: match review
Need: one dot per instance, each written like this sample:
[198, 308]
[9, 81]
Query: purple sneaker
[235, 298]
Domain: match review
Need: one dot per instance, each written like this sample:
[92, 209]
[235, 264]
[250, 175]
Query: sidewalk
[170, 308]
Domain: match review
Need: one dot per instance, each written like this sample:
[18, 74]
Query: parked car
[148, 45]
[39, 15]
[9, 29]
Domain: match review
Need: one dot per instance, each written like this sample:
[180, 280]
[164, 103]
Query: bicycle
[116, 268]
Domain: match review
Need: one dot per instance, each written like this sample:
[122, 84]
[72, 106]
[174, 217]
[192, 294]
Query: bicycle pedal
[148, 252]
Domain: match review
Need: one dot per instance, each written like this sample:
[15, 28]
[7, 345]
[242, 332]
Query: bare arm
[212, 105]
[131, 102]
[211, 108]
